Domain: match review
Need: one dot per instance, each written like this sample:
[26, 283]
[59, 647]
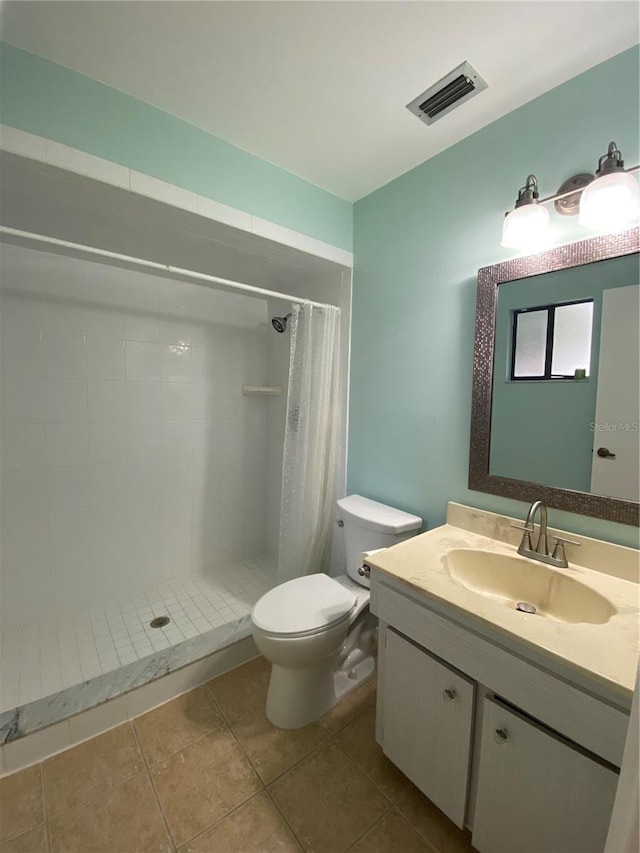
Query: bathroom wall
[129, 455]
[418, 244]
[46, 99]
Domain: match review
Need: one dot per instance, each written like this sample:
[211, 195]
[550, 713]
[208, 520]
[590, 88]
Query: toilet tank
[368, 525]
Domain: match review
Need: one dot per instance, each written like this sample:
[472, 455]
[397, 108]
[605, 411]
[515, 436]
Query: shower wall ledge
[43, 150]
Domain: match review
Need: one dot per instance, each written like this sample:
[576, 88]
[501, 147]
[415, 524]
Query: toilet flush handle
[364, 571]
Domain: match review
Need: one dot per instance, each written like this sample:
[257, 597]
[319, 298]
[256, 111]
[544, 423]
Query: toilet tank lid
[377, 516]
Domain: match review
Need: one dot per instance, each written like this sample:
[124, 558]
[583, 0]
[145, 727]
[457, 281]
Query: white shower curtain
[310, 442]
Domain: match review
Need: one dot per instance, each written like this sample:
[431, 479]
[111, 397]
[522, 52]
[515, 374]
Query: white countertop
[606, 652]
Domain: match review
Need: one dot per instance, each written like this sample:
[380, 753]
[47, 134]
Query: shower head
[280, 323]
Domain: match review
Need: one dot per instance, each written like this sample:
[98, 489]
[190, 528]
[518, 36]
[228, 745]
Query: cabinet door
[538, 792]
[427, 718]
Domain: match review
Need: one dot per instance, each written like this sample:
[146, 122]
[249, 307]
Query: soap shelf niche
[262, 390]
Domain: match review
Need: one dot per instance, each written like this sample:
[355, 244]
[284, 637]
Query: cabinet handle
[449, 695]
[501, 736]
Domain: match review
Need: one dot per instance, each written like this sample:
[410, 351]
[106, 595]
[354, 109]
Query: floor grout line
[331, 737]
[369, 774]
[223, 817]
[15, 838]
[298, 762]
[265, 786]
[45, 813]
[365, 773]
[45, 808]
[430, 847]
[97, 797]
[151, 765]
[317, 749]
[165, 822]
[237, 740]
[224, 725]
[366, 832]
[291, 829]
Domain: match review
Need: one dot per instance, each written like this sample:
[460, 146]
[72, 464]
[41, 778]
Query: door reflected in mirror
[566, 379]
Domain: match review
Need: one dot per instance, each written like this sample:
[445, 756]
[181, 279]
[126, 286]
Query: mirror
[555, 379]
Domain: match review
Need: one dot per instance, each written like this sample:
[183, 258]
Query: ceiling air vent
[454, 89]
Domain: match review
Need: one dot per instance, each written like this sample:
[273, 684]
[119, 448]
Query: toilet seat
[302, 606]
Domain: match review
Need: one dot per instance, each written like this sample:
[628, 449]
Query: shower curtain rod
[198, 277]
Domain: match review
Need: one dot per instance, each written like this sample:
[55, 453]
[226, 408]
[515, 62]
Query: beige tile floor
[207, 773]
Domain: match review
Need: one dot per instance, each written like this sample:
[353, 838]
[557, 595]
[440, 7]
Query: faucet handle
[526, 545]
[561, 540]
[558, 552]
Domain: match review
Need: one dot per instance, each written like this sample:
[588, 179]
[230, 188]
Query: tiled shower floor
[62, 650]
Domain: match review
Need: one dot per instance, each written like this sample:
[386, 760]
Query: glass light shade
[526, 228]
[610, 203]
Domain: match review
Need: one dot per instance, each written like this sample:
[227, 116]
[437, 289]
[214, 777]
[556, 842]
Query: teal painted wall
[41, 97]
[418, 244]
[540, 431]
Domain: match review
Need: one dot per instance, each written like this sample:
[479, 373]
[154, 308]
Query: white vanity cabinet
[428, 711]
[537, 791]
[520, 756]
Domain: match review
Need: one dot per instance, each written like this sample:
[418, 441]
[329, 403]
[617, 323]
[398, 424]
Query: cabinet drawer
[582, 718]
[536, 791]
[427, 718]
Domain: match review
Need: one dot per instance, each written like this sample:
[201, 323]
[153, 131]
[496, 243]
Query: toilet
[317, 630]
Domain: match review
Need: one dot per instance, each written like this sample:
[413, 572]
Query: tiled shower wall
[129, 455]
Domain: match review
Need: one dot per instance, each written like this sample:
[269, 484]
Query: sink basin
[510, 580]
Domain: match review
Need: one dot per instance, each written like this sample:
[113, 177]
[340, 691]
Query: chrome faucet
[541, 550]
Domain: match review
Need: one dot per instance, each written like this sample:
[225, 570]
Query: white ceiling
[319, 88]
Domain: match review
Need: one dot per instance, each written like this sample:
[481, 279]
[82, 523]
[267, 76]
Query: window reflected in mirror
[552, 341]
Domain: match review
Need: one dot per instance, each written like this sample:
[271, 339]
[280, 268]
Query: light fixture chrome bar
[198, 277]
[558, 196]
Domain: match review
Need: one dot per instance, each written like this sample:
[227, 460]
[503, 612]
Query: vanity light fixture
[527, 226]
[607, 203]
[610, 202]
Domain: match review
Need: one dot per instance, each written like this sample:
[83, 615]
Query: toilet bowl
[317, 630]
